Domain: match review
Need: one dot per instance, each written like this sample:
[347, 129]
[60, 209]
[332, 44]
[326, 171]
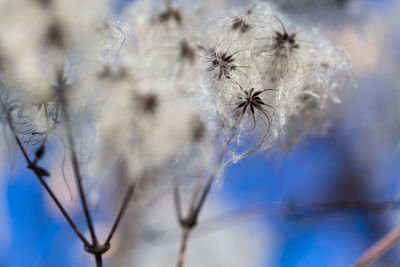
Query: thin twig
[182, 250]
[124, 206]
[189, 223]
[61, 208]
[42, 181]
[74, 160]
[204, 195]
[196, 192]
[379, 248]
[82, 195]
[292, 210]
[177, 202]
[95, 247]
[348, 205]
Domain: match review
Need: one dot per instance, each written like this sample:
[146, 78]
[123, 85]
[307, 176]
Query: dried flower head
[143, 87]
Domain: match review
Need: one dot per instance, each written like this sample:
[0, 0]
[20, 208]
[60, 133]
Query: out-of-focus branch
[346, 205]
[182, 250]
[198, 198]
[379, 248]
[189, 223]
[292, 210]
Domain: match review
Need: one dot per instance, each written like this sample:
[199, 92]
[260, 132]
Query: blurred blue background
[357, 160]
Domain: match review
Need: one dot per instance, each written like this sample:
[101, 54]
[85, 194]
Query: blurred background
[308, 206]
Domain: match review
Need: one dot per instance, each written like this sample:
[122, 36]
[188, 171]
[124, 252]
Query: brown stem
[379, 248]
[82, 194]
[182, 250]
[94, 248]
[42, 181]
[177, 202]
[347, 205]
[98, 249]
[124, 206]
[196, 192]
[61, 208]
[75, 166]
[189, 223]
[99, 261]
[204, 195]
